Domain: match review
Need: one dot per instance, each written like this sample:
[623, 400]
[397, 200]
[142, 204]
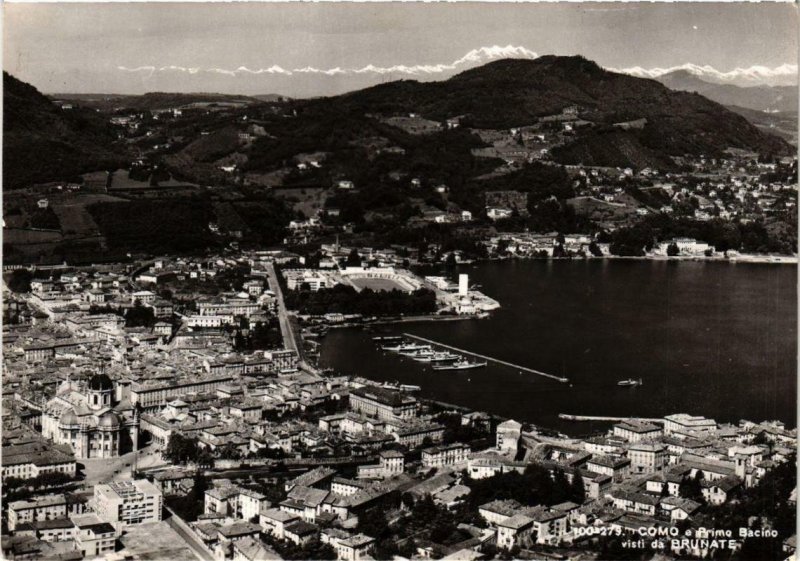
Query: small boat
[444, 357]
[630, 382]
[412, 347]
[387, 339]
[410, 388]
[433, 356]
[415, 352]
[460, 365]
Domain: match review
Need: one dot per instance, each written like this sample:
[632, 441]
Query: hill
[783, 124]
[760, 98]
[514, 92]
[42, 142]
[155, 100]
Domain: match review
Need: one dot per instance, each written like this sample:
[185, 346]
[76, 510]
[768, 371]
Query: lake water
[713, 339]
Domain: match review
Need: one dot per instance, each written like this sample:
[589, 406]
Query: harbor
[450, 361]
[438, 360]
[525, 332]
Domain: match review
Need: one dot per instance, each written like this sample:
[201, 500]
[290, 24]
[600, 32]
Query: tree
[595, 250]
[692, 488]
[229, 452]
[180, 449]
[20, 280]
[673, 250]
[374, 525]
[140, 316]
[353, 259]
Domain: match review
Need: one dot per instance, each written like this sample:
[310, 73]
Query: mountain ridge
[759, 97]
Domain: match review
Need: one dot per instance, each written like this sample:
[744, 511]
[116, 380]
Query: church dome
[108, 421]
[68, 418]
[101, 382]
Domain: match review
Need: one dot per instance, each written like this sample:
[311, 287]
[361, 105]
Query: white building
[508, 434]
[128, 502]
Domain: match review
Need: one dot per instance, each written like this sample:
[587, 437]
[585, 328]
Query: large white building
[85, 417]
[685, 425]
[128, 502]
[383, 404]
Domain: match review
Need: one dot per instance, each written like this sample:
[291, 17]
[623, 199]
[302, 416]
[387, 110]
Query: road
[189, 537]
[289, 341]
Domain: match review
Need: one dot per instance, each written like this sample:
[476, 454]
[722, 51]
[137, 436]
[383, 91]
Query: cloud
[752, 75]
[475, 56]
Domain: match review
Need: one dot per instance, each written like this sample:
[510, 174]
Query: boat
[412, 347]
[423, 356]
[630, 382]
[387, 339]
[444, 357]
[460, 365]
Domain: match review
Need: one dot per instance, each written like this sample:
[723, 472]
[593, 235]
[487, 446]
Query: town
[399, 292]
[173, 407]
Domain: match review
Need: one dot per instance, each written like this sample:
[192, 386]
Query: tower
[463, 284]
[100, 392]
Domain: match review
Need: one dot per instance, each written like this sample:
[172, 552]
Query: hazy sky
[81, 47]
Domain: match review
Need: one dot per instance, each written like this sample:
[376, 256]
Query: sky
[260, 48]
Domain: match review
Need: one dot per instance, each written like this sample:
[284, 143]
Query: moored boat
[460, 365]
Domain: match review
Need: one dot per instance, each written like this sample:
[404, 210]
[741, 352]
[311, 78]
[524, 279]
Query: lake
[713, 339]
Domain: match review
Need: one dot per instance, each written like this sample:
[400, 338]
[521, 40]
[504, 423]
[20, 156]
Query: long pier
[568, 417]
[490, 359]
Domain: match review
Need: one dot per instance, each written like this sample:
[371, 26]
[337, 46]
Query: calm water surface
[715, 339]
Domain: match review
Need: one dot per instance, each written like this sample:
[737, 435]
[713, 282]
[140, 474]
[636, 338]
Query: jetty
[490, 359]
[568, 417]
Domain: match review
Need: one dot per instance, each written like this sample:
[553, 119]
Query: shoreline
[743, 258]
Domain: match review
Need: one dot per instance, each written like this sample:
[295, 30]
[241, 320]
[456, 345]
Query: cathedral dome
[108, 421]
[101, 382]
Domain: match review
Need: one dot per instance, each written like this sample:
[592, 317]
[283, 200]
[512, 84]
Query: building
[174, 481]
[682, 425]
[353, 548]
[251, 504]
[383, 404]
[647, 458]
[617, 468]
[86, 418]
[447, 455]
[26, 461]
[273, 521]
[391, 463]
[300, 532]
[94, 537]
[514, 531]
[508, 434]
[253, 549]
[128, 502]
[637, 431]
[48, 507]
[153, 395]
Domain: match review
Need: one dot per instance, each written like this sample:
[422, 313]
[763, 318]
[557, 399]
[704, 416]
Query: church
[85, 416]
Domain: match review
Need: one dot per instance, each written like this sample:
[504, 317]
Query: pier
[568, 417]
[490, 359]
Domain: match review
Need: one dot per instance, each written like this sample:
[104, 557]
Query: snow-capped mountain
[312, 81]
[783, 75]
[475, 57]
